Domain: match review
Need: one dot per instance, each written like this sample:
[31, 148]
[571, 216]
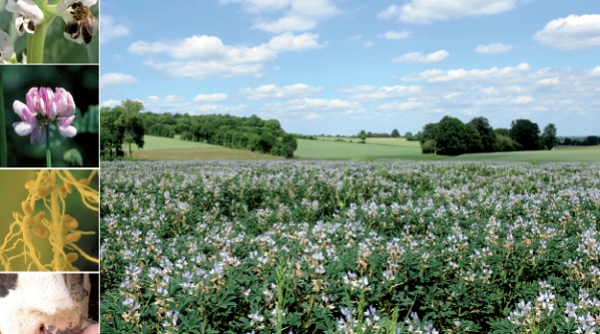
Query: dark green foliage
[121, 125]
[409, 136]
[250, 133]
[395, 133]
[452, 137]
[504, 144]
[488, 136]
[526, 133]
[548, 139]
[363, 136]
[502, 131]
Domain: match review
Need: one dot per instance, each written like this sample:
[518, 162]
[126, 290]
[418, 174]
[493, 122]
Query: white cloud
[109, 29]
[395, 34]
[313, 115]
[595, 71]
[418, 57]
[493, 48]
[451, 95]
[291, 42]
[548, 81]
[354, 38]
[367, 92]
[299, 15]
[571, 32]
[427, 11]
[111, 103]
[205, 98]
[113, 79]
[204, 56]
[368, 44]
[274, 92]
[286, 23]
[522, 99]
[311, 103]
[408, 105]
[489, 91]
[436, 75]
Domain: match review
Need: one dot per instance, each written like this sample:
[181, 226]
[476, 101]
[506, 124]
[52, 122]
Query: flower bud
[29, 184]
[26, 207]
[43, 192]
[72, 257]
[40, 230]
[39, 217]
[73, 237]
[68, 187]
[69, 223]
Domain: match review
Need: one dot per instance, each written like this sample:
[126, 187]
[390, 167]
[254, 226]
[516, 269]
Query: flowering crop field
[350, 247]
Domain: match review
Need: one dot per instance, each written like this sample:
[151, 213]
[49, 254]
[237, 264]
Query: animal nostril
[42, 329]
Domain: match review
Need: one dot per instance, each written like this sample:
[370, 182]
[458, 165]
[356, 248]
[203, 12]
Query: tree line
[251, 133]
[126, 124]
[587, 141]
[450, 136]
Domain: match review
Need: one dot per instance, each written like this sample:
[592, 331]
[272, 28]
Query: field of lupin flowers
[350, 247]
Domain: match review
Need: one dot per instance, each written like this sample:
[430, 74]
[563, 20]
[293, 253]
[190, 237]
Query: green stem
[3, 161]
[48, 155]
[36, 41]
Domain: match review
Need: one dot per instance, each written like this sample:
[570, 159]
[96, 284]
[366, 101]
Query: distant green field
[562, 154]
[161, 148]
[158, 148]
[374, 149]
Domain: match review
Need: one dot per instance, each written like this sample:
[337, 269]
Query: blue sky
[339, 66]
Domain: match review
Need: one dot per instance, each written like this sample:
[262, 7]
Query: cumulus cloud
[311, 103]
[201, 57]
[110, 29]
[395, 34]
[216, 97]
[286, 24]
[408, 105]
[278, 92]
[549, 81]
[298, 15]
[571, 32]
[436, 75]
[427, 11]
[312, 115]
[493, 48]
[419, 57]
[110, 103]
[451, 95]
[367, 92]
[522, 99]
[113, 79]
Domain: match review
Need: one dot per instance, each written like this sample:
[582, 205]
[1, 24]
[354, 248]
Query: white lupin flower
[62, 5]
[27, 13]
[6, 47]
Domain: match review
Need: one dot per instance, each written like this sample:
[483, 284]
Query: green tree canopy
[548, 139]
[395, 133]
[486, 132]
[526, 133]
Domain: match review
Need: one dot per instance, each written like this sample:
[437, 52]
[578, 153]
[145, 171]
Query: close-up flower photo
[49, 31]
[50, 116]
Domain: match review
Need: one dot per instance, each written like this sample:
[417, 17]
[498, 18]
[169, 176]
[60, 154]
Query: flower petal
[68, 131]
[6, 46]
[23, 111]
[29, 9]
[23, 128]
[38, 135]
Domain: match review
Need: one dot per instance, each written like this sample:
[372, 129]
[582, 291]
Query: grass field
[329, 149]
[561, 154]
[159, 148]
